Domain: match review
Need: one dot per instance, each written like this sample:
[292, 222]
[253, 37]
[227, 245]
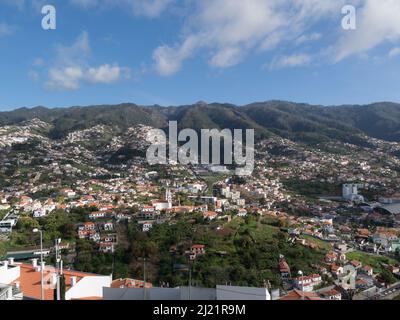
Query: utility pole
[302, 285]
[190, 282]
[190, 272]
[36, 230]
[58, 264]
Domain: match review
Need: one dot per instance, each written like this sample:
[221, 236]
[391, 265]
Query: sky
[176, 52]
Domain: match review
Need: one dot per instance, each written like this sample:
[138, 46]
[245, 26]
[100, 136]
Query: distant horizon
[192, 104]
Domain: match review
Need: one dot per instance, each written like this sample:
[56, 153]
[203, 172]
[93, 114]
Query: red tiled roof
[330, 293]
[363, 232]
[198, 246]
[335, 268]
[300, 295]
[283, 266]
[30, 281]
[355, 263]
[210, 214]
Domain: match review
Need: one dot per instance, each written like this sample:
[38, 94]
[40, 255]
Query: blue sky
[174, 52]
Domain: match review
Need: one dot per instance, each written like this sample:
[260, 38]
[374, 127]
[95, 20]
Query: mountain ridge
[297, 121]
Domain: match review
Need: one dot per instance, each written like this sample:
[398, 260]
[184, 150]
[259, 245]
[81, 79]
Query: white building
[162, 205]
[147, 226]
[307, 283]
[8, 292]
[39, 213]
[7, 225]
[350, 192]
[26, 279]
[242, 213]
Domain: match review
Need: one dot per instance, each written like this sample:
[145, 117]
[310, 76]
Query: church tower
[168, 197]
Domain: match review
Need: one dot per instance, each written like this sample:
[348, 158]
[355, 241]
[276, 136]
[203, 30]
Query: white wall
[9, 274]
[89, 287]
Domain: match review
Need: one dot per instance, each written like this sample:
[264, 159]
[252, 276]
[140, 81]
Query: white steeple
[168, 196]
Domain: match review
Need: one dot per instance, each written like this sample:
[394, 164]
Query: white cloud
[70, 67]
[228, 31]
[168, 60]
[308, 37]
[226, 57]
[296, 60]
[77, 53]
[377, 23]
[64, 78]
[70, 78]
[231, 29]
[104, 74]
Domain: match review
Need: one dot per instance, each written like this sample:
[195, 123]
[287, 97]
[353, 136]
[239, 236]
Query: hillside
[298, 122]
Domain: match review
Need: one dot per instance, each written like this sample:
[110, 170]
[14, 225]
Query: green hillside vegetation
[242, 252]
[300, 122]
[371, 260]
[312, 188]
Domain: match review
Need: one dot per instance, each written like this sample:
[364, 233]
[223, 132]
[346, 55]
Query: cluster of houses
[101, 233]
[303, 285]
[342, 271]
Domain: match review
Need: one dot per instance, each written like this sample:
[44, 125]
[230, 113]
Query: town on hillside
[90, 215]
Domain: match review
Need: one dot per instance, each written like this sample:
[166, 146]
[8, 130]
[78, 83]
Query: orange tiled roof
[283, 266]
[299, 295]
[330, 293]
[210, 214]
[198, 246]
[355, 263]
[363, 232]
[30, 281]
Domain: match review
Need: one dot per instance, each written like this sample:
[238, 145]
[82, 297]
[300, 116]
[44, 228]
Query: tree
[388, 277]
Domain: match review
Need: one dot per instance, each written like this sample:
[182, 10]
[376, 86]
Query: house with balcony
[336, 270]
[146, 225]
[331, 294]
[97, 215]
[210, 215]
[284, 269]
[307, 283]
[107, 247]
[25, 281]
[196, 250]
[8, 292]
[242, 213]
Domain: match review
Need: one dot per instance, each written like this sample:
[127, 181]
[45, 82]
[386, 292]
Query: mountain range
[298, 122]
